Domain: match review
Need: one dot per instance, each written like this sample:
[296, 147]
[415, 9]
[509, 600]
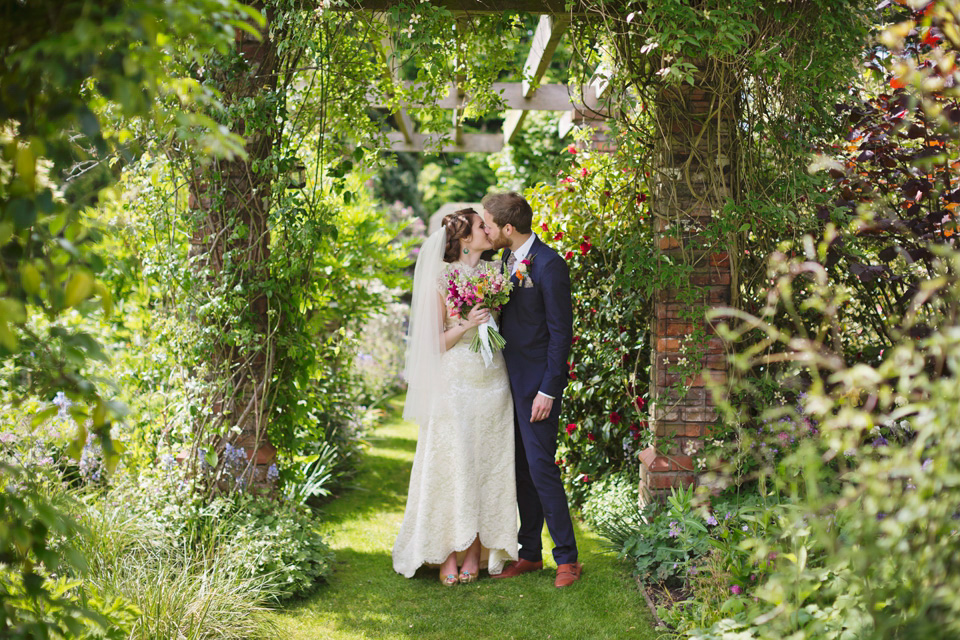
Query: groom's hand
[542, 405]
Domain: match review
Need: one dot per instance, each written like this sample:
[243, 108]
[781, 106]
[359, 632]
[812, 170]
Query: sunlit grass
[366, 599]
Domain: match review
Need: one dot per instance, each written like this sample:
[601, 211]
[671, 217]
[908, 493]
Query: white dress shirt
[521, 253]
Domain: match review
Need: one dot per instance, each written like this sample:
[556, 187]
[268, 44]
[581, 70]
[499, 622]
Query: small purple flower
[736, 590]
[927, 464]
[744, 528]
[880, 441]
[711, 520]
[273, 473]
[674, 530]
[62, 401]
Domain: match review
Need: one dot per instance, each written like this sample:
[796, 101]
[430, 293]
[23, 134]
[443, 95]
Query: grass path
[366, 599]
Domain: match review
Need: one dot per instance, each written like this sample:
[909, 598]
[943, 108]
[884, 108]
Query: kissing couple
[488, 426]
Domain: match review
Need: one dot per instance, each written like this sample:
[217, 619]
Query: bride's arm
[451, 336]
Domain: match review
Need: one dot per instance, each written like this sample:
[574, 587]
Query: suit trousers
[540, 493]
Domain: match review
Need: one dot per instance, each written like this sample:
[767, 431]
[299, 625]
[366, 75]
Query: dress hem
[463, 547]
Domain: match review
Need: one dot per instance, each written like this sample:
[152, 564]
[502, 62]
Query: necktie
[511, 262]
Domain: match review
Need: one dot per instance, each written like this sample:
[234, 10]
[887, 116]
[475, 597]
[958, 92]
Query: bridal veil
[425, 332]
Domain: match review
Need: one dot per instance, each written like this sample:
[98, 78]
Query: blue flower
[712, 521]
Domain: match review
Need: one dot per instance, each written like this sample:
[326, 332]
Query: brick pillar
[693, 182]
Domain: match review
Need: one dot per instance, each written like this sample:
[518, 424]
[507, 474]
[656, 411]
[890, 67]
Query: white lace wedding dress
[462, 483]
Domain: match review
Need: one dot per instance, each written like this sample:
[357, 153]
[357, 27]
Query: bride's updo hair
[459, 225]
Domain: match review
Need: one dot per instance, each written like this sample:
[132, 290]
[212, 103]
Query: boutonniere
[525, 281]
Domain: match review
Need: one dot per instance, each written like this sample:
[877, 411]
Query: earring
[466, 251]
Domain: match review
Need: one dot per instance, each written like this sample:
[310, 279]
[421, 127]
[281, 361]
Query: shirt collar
[524, 249]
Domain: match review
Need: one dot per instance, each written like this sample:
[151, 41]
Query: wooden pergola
[683, 193]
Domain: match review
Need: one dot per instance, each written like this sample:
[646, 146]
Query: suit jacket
[537, 324]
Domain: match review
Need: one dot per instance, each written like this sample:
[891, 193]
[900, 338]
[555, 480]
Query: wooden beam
[549, 97]
[512, 124]
[542, 47]
[556, 7]
[472, 143]
[545, 40]
[565, 124]
[601, 79]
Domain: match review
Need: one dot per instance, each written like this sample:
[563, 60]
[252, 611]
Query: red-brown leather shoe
[567, 574]
[519, 567]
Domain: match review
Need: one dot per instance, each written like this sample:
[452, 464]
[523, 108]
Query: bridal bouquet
[487, 288]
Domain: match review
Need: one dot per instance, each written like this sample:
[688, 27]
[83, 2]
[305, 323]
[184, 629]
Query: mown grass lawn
[366, 599]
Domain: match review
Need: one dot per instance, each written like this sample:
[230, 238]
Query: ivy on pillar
[230, 247]
[694, 182]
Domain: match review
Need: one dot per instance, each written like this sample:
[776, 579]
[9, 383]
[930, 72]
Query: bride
[462, 500]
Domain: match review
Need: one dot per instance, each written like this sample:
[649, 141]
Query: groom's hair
[509, 208]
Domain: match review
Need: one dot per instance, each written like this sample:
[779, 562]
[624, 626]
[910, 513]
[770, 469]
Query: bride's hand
[477, 316]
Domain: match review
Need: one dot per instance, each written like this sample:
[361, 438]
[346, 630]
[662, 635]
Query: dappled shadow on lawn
[381, 486]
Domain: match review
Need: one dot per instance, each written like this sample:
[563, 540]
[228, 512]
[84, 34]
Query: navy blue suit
[537, 324]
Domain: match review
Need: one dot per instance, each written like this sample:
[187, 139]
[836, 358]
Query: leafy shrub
[672, 538]
[590, 218]
[280, 543]
[611, 503]
[41, 593]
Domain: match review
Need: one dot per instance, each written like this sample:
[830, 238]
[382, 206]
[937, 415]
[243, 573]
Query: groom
[537, 324]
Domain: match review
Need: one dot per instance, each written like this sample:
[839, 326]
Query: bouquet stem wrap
[487, 340]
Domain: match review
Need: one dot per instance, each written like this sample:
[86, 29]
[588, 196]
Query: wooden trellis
[518, 97]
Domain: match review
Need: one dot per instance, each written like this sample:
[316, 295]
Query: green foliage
[857, 533]
[40, 595]
[178, 565]
[535, 156]
[457, 178]
[75, 76]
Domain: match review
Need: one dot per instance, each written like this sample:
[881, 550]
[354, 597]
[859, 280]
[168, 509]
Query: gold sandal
[467, 577]
[449, 580]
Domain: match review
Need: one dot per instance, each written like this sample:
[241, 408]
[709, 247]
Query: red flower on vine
[584, 172]
[571, 428]
[545, 228]
[568, 255]
[572, 149]
[641, 403]
[591, 437]
[615, 417]
[558, 237]
[584, 247]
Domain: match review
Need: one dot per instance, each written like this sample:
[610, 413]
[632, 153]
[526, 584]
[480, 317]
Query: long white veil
[425, 332]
